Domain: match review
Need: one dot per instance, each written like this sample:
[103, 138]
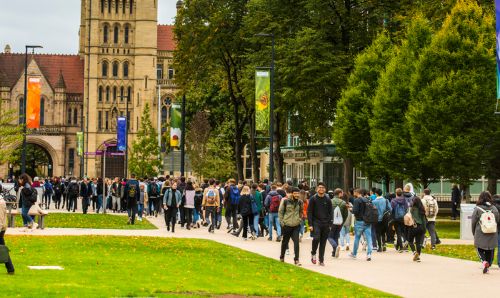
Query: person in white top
[431, 210]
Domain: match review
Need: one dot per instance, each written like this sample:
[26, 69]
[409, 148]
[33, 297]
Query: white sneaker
[287, 252]
[35, 226]
[337, 252]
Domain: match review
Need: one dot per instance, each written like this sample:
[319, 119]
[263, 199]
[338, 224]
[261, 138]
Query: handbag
[4, 254]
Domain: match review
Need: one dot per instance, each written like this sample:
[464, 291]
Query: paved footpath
[391, 272]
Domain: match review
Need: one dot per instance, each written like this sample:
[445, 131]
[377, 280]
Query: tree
[351, 128]
[10, 134]
[197, 138]
[144, 156]
[450, 116]
[390, 146]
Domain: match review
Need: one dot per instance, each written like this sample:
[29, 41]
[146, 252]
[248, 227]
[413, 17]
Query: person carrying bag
[4, 251]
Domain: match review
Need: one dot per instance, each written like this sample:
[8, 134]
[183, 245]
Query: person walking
[198, 201]
[73, 193]
[320, 217]
[272, 203]
[210, 204]
[171, 201]
[115, 195]
[431, 211]
[485, 220]
[340, 214]
[290, 216]
[456, 198]
[3, 228]
[58, 190]
[360, 226]
[85, 194]
[132, 192]
[245, 210]
[27, 197]
[416, 232]
[231, 199]
[399, 207]
[257, 197]
[384, 216]
[189, 193]
[143, 200]
[48, 191]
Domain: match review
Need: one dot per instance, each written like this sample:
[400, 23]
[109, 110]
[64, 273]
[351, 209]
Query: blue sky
[53, 24]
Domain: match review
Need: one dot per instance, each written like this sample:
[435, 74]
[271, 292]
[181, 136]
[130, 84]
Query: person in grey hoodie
[399, 207]
[485, 243]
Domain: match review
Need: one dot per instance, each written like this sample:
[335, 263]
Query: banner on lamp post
[497, 13]
[79, 143]
[121, 132]
[175, 125]
[33, 103]
[262, 99]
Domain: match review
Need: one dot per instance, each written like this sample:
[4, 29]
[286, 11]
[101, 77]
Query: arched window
[114, 94]
[125, 70]
[129, 94]
[100, 94]
[105, 69]
[105, 34]
[117, 3]
[75, 116]
[42, 111]
[115, 34]
[122, 91]
[109, 6]
[102, 6]
[69, 116]
[107, 94]
[131, 6]
[170, 72]
[21, 110]
[124, 6]
[126, 33]
[115, 69]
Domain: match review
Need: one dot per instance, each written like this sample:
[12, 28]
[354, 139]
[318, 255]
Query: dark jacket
[409, 198]
[245, 205]
[26, 195]
[198, 199]
[132, 201]
[319, 211]
[358, 208]
[85, 190]
[398, 201]
[455, 195]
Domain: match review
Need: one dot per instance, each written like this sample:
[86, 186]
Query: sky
[53, 24]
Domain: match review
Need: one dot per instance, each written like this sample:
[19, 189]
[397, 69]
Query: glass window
[126, 33]
[117, 3]
[102, 6]
[105, 68]
[99, 120]
[129, 94]
[69, 116]
[114, 94]
[75, 116]
[125, 70]
[115, 69]
[170, 73]
[99, 94]
[106, 123]
[105, 33]
[159, 71]
[107, 94]
[109, 6]
[131, 6]
[115, 34]
[121, 93]
[124, 6]
[146, 82]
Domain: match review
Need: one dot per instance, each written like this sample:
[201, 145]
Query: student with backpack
[366, 214]
[232, 199]
[319, 215]
[153, 196]
[211, 203]
[257, 199]
[415, 221]
[57, 193]
[340, 214]
[384, 216]
[485, 219]
[28, 197]
[399, 207]
[133, 196]
[290, 215]
[47, 193]
[246, 207]
[431, 211]
[73, 193]
[272, 203]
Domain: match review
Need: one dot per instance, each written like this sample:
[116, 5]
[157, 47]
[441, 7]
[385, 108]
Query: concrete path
[390, 271]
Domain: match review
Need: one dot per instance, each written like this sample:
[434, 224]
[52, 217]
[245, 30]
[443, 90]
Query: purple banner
[121, 131]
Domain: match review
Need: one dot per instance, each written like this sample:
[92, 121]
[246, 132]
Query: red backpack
[275, 203]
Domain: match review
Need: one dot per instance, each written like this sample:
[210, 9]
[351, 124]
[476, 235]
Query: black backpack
[154, 190]
[73, 189]
[34, 196]
[370, 215]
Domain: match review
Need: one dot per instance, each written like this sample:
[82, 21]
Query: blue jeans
[256, 224]
[99, 203]
[141, 209]
[27, 220]
[361, 228]
[196, 216]
[151, 206]
[274, 219]
[302, 227]
[344, 236]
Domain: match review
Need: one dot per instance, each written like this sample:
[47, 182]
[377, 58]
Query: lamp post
[271, 110]
[183, 133]
[23, 153]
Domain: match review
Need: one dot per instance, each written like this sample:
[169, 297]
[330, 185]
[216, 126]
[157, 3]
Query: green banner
[262, 99]
[79, 143]
[175, 125]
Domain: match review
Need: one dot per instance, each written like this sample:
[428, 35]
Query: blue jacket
[167, 198]
[382, 205]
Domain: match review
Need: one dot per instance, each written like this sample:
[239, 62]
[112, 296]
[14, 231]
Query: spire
[179, 4]
[60, 82]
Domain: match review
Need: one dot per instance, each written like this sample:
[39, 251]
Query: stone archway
[49, 146]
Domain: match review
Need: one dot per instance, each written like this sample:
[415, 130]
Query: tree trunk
[253, 151]
[348, 172]
[387, 182]
[237, 142]
[399, 183]
[492, 185]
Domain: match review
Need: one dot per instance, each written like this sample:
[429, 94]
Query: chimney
[7, 49]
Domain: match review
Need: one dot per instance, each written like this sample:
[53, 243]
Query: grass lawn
[465, 252]
[134, 266]
[92, 221]
[448, 229]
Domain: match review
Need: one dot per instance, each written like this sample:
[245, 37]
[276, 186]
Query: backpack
[234, 194]
[408, 219]
[370, 216]
[254, 205]
[48, 188]
[211, 197]
[154, 190]
[73, 189]
[34, 196]
[387, 214]
[430, 211]
[131, 191]
[337, 216]
[487, 221]
[57, 188]
[399, 211]
[274, 206]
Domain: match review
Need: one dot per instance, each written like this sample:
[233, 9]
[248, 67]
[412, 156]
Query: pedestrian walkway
[391, 272]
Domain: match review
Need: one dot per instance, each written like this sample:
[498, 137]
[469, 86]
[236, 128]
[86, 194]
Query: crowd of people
[280, 212]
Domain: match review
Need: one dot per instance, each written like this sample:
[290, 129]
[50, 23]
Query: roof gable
[166, 38]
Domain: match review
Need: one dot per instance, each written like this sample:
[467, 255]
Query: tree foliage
[9, 134]
[144, 157]
[197, 138]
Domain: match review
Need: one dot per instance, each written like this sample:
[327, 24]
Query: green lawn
[448, 229]
[465, 252]
[140, 266]
[92, 221]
